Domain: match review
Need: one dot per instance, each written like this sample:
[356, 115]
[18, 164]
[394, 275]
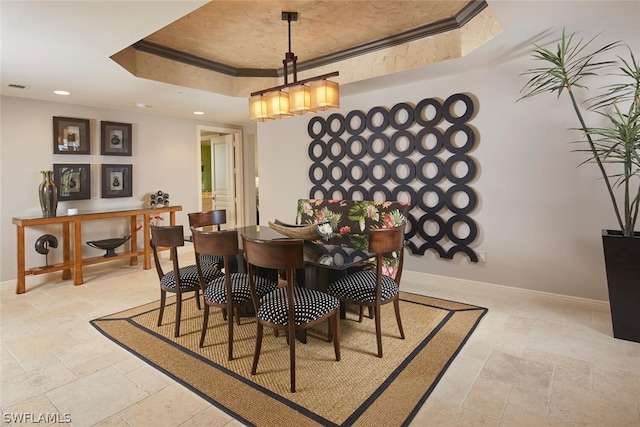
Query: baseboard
[417, 282]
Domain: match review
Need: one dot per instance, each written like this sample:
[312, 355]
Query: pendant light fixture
[295, 97]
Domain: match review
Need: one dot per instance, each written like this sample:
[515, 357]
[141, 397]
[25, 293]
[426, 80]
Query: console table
[72, 267]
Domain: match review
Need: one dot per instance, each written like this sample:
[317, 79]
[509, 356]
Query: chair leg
[256, 354]
[292, 359]
[335, 328]
[361, 314]
[198, 300]
[178, 313]
[376, 315]
[230, 328]
[205, 324]
[163, 299]
[396, 306]
[237, 311]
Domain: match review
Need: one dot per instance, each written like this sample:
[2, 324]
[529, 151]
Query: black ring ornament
[440, 169]
[473, 229]
[379, 189]
[357, 164]
[330, 120]
[337, 166]
[323, 152]
[385, 145]
[337, 189]
[385, 119]
[413, 225]
[403, 188]
[471, 195]
[393, 143]
[437, 117]
[385, 168]
[449, 136]
[432, 245]
[450, 164]
[311, 125]
[363, 147]
[349, 120]
[430, 188]
[395, 166]
[313, 193]
[442, 227]
[473, 257]
[421, 136]
[312, 173]
[393, 114]
[357, 189]
[447, 112]
[341, 145]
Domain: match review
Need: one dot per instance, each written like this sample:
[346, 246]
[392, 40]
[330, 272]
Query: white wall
[164, 158]
[539, 216]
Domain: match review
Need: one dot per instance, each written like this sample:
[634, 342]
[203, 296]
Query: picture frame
[117, 181]
[73, 181]
[71, 135]
[115, 139]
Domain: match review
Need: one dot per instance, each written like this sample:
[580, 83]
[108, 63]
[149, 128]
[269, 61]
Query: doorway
[220, 177]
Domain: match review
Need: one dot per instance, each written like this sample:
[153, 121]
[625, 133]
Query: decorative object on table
[305, 232]
[109, 245]
[614, 146]
[115, 139]
[158, 199]
[43, 244]
[71, 136]
[73, 181]
[48, 194]
[117, 181]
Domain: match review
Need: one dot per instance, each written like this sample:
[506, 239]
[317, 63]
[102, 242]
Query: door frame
[238, 167]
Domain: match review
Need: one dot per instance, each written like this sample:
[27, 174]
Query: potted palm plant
[612, 143]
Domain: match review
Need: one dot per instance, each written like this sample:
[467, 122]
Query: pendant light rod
[299, 82]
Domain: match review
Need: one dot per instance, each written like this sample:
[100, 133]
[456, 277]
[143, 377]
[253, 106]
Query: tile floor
[531, 361]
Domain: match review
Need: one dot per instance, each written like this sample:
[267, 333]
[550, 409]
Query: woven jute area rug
[360, 389]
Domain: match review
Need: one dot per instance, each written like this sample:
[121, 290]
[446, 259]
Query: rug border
[356, 414]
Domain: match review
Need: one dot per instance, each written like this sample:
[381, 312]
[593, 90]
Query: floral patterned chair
[353, 219]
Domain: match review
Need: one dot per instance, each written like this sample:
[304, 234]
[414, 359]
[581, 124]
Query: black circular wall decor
[399, 153]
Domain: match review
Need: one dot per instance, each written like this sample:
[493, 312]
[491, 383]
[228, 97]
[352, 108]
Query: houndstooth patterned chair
[372, 288]
[180, 279]
[229, 291]
[287, 308]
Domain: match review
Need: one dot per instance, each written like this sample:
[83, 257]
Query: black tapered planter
[622, 262]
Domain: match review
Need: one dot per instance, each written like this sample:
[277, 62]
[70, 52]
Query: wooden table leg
[77, 253]
[145, 244]
[20, 282]
[134, 239]
[66, 251]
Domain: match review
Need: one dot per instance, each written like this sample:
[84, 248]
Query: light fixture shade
[325, 94]
[300, 99]
[277, 104]
[258, 108]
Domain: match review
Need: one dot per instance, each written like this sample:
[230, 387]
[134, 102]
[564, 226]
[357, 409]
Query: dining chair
[180, 279]
[213, 220]
[289, 308]
[229, 291]
[372, 288]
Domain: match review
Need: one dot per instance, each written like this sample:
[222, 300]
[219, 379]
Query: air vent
[17, 86]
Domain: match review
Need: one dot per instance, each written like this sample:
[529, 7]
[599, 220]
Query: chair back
[281, 254]
[208, 218]
[388, 240]
[223, 243]
[169, 236]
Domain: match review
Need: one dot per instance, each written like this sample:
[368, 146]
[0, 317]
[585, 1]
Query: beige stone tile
[112, 356]
[516, 370]
[458, 380]
[623, 385]
[212, 417]
[517, 416]
[149, 379]
[9, 366]
[180, 405]
[436, 412]
[113, 421]
[488, 397]
[530, 399]
[583, 407]
[33, 383]
[97, 396]
[36, 350]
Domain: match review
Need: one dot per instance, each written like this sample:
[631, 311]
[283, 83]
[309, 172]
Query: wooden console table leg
[145, 244]
[134, 239]
[77, 253]
[20, 282]
[66, 251]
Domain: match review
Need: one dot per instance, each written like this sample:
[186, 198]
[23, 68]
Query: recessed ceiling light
[62, 92]
[198, 113]
[141, 105]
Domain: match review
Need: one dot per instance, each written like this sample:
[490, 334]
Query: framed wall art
[117, 181]
[71, 136]
[115, 139]
[73, 181]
